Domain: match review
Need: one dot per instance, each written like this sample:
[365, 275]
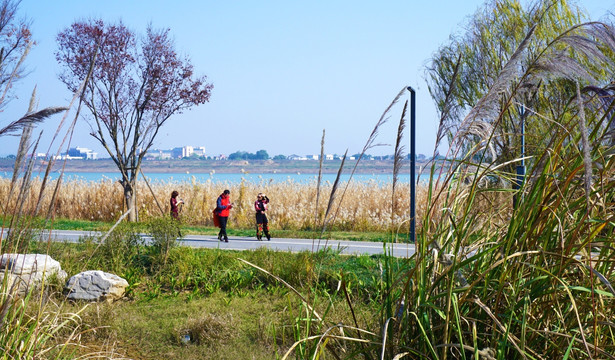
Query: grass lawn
[257, 325]
[229, 309]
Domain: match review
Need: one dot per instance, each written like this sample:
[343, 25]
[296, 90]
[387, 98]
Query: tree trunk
[130, 199]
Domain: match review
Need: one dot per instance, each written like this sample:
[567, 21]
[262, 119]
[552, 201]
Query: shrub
[164, 232]
[117, 251]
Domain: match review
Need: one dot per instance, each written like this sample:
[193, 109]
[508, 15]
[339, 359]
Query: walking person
[223, 208]
[261, 205]
[176, 204]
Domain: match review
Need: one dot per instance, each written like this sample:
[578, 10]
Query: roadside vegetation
[228, 308]
[100, 226]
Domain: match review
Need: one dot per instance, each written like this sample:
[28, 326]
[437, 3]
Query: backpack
[216, 219]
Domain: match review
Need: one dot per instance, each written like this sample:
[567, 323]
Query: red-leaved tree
[136, 85]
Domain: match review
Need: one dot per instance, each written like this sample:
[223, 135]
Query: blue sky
[282, 70]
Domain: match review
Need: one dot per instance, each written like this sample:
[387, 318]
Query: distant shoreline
[224, 166]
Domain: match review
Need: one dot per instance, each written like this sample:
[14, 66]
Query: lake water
[233, 178]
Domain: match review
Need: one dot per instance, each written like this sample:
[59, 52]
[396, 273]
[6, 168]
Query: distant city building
[329, 157]
[158, 154]
[312, 157]
[80, 153]
[187, 151]
[176, 153]
[199, 151]
[296, 157]
[67, 157]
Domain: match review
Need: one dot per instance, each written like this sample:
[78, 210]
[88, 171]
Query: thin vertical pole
[523, 136]
[520, 178]
[152, 191]
[412, 166]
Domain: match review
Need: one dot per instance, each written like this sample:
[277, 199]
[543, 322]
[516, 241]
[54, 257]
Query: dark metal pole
[523, 138]
[412, 166]
[520, 168]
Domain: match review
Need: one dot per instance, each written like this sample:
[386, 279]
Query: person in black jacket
[262, 223]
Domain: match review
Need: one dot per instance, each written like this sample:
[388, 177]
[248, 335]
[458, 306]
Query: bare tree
[137, 84]
[15, 43]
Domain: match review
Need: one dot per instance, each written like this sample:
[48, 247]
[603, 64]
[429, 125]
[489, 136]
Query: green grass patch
[84, 225]
[229, 309]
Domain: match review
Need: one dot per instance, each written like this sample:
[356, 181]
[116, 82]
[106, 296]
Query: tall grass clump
[30, 324]
[534, 281]
[117, 252]
[164, 232]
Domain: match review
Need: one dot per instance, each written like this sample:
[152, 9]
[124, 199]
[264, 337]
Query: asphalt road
[249, 243]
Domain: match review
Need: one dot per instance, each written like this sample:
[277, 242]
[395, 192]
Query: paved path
[249, 243]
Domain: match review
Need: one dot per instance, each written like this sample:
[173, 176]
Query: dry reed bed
[364, 207]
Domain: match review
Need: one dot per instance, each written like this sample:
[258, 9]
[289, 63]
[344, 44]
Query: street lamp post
[521, 167]
[412, 165]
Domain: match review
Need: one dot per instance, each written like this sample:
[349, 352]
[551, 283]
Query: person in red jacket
[262, 223]
[223, 208]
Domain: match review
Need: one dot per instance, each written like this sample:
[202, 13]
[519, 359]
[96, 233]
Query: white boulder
[28, 271]
[95, 285]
